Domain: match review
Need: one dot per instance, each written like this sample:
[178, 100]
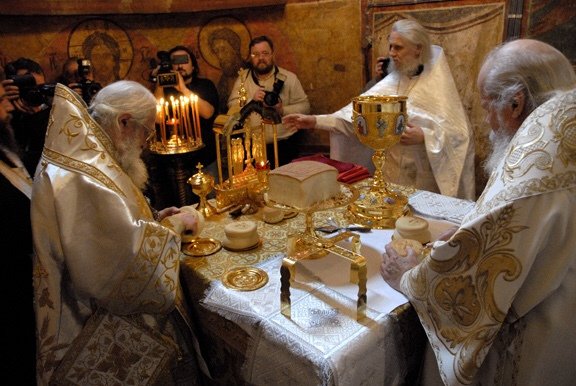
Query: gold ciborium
[378, 121]
[202, 184]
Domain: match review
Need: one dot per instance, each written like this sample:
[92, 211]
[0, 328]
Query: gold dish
[258, 244]
[245, 278]
[201, 247]
[348, 194]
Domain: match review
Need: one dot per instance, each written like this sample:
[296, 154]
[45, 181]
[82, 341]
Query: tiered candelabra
[178, 127]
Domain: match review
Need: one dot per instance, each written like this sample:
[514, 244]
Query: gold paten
[378, 121]
[245, 278]
[201, 246]
[308, 245]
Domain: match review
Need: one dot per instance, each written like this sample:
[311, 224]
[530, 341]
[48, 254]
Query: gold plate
[259, 243]
[201, 247]
[348, 194]
[245, 278]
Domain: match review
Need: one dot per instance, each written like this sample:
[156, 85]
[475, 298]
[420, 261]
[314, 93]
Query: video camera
[31, 93]
[166, 77]
[271, 98]
[89, 87]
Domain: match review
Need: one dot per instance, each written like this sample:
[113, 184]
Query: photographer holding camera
[178, 75]
[77, 75]
[274, 87]
[25, 87]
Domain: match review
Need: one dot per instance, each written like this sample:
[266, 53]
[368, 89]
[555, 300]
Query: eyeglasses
[150, 132]
[264, 54]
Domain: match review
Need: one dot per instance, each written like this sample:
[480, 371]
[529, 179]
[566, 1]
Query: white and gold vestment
[498, 300]
[98, 247]
[444, 163]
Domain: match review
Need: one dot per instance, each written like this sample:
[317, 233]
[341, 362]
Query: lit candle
[160, 118]
[197, 118]
[177, 118]
[186, 117]
[166, 117]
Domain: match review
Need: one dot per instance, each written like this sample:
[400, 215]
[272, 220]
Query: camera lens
[33, 97]
[271, 98]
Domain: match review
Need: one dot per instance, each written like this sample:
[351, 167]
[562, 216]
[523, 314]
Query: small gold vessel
[202, 184]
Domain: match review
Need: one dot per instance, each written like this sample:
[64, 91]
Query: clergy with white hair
[436, 151]
[108, 300]
[496, 295]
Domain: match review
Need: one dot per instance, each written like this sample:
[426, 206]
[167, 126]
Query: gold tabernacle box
[243, 164]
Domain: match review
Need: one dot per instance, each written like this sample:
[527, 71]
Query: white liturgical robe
[498, 300]
[445, 162]
[97, 247]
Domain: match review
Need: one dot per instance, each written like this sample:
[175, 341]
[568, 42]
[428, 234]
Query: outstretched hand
[299, 121]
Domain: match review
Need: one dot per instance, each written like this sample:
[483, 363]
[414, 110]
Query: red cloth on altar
[348, 172]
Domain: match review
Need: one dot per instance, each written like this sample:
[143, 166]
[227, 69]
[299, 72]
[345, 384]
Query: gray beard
[408, 70]
[499, 141]
[130, 161]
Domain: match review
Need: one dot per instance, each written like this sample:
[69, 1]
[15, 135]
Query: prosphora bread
[272, 215]
[401, 246]
[240, 235]
[302, 184]
[412, 227]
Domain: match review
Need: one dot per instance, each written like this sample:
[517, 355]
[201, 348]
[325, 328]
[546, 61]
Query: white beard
[132, 164]
[499, 140]
[408, 69]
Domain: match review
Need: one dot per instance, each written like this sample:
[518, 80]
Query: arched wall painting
[106, 44]
[223, 44]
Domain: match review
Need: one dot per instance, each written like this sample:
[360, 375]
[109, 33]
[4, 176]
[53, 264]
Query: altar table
[247, 341]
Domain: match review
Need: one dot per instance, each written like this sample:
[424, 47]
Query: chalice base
[377, 208]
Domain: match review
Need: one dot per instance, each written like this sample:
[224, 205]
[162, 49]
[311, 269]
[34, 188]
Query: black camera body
[30, 92]
[166, 77]
[89, 87]
[272, 98]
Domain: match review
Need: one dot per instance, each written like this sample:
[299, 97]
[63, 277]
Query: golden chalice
[378, 121]
[202, 184]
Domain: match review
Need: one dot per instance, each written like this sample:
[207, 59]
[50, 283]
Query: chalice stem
[378, 183]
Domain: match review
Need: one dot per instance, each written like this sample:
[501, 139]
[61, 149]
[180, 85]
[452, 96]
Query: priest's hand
[299, 121]
[186, 220]
[162, 214]
[393, 265]
[413, 135]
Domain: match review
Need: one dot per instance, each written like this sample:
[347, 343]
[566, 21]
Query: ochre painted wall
[318, 40]
[325, 42]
